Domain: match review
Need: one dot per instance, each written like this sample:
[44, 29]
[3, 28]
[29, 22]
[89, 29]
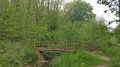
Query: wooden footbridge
[62, 46]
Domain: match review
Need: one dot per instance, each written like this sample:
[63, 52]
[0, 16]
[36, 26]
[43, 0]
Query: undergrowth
[114, 54]
[79, 59]
[14, 54]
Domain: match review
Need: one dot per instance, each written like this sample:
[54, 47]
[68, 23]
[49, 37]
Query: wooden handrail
[66, 45]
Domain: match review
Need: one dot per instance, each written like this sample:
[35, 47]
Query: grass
[114, 53]
[119, 44]
[79, 59]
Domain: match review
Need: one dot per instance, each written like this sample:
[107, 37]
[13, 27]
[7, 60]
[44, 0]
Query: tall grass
[114, 53]
[79, 59]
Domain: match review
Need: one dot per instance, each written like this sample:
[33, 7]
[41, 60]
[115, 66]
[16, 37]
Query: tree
[11, 21]
[117, 33]
[94, 32]
[79, 11]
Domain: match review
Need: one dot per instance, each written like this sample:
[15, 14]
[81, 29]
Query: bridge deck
[56, 50]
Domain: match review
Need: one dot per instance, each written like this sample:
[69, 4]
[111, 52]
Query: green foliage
[53, 21]
[80, 59]
[112, 51]
[113, 40]
[79, 11]
[30, 55]
[69, 32]
[115, 62]
[11, 54]
[94, 32]
[117, 33]
[15, 54]
[10, 31]
[50, 55]
[34, 21]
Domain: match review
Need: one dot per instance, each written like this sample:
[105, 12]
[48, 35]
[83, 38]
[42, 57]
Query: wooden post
[100, 49]
[48, 44]
[58, 45]
[42, 44]
[69, 46]
[65, 46]
[34, 45]
[79, 45]
[95, 46]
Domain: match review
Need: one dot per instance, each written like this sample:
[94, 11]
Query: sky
[98, 9]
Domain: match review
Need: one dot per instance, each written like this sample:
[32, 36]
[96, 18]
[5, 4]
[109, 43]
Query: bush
[110, 51]
[30, 55]
[11, 54]
[50, 55]
[14, 54]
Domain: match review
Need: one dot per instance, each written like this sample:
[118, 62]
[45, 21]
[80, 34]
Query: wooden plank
[41, 49]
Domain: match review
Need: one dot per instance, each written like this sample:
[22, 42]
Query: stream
[40, 64]
[43, 63]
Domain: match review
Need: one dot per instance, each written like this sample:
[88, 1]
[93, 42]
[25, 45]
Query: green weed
[79, 59]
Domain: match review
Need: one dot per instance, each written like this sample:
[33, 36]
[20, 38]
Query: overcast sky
[98, 9]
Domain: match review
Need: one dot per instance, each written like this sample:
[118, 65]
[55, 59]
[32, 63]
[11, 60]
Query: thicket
[14, 54]
[35, 20]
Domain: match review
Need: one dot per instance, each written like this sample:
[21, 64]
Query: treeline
[47, 20]
[28, 20]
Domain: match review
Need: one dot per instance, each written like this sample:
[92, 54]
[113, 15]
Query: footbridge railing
[63, 45]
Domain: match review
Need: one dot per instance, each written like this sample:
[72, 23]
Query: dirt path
[101, 66]
[102, 57]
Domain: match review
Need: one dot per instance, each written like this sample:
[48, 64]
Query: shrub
[50, 55]
[30, 55]
[14, 54]
[11, 54]
[110, 51]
